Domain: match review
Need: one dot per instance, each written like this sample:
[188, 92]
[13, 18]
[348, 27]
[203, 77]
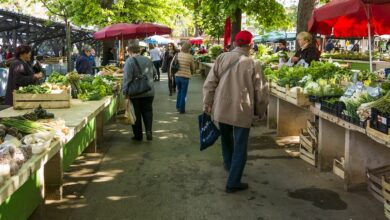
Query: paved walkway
[169, 178]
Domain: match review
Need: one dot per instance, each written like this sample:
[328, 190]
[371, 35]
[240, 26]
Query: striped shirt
[186, 65]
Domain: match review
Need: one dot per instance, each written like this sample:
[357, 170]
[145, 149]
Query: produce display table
[41, 176]
[336, 138]
[205, 67]
[364, 65]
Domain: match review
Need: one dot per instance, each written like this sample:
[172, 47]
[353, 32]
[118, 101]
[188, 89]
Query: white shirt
[155, 54]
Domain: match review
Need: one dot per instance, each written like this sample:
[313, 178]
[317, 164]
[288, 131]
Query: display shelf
[42, 174]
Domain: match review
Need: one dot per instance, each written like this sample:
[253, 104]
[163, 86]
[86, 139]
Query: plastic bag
[209, 133]
[128, 117]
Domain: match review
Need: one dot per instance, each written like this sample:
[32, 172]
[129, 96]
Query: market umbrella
[227, 37]
[352, 18]
[130, 31]
[197, 40]
[156, 39]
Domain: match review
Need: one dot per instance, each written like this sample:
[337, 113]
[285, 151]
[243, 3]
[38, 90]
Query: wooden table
[41, 176]
[205, 68]
[336, 138]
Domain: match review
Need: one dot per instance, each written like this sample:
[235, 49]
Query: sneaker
[149, 136]
[242, 187]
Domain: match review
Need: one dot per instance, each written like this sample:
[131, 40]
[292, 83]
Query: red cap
[243, 37]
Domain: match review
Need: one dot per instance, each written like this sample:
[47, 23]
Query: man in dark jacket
[83, 64]
[282, 46]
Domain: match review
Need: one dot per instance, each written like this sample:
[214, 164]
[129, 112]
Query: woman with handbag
[185, 71]
[138, 77]
[167, 60]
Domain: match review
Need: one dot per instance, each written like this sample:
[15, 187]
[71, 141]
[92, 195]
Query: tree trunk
[305, 10]
[197, 30]
[111, 43]
[236, 24]
[68, 44]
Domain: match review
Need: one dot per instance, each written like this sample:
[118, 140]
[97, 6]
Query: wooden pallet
[338, 168]
[47, 101]
[386, 195]
[375, 181]
[380, 136]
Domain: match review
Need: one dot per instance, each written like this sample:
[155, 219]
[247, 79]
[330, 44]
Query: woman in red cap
[234, 90]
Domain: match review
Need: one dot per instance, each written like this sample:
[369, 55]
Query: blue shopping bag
[209, 133]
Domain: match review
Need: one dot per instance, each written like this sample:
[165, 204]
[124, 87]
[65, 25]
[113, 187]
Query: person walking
[143, 103]
[167, 60]
[21, 73]
[83, 63]
[183, 76]
[234, 91]
[156, 58]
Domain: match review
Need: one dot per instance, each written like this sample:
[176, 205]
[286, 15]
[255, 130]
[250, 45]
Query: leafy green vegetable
[382, 104]
[57, 78]
[33, 89]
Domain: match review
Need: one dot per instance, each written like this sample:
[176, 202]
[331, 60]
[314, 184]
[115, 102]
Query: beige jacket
[186, 65]
[237, 94]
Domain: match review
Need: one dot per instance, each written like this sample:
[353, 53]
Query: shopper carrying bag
[140, 91]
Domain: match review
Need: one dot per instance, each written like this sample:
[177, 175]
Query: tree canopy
[210, 15]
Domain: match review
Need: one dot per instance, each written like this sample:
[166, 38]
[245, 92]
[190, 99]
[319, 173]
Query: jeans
[157, 66]
[234, 151]
[171, 84]
[182, 88]
[143, 109]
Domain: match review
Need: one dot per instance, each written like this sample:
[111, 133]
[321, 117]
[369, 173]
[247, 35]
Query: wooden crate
[47, 101]
[307, 142]
[297, 98]
[375, 181]
[312, 130]
[306, 155]
[385, 138]
[386, 195]
[278, 90]
[338, 168]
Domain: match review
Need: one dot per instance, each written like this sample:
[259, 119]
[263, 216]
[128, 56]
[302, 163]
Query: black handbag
[139, 84]
[175, 66]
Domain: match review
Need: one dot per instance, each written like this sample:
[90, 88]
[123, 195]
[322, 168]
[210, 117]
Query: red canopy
[130, 31]
[348, 18]
[197, 40]
[227, 37]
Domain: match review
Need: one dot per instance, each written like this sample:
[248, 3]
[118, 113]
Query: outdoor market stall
[40, 177]
[340, 118]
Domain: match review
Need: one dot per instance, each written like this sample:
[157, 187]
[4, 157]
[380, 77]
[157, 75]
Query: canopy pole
[369, 44]
[367, 9]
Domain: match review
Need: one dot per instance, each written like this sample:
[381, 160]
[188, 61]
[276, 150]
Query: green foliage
[203, 58]
[210, 15]
[215, 51]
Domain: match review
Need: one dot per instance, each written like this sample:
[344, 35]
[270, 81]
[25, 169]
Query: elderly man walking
[235, 90]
